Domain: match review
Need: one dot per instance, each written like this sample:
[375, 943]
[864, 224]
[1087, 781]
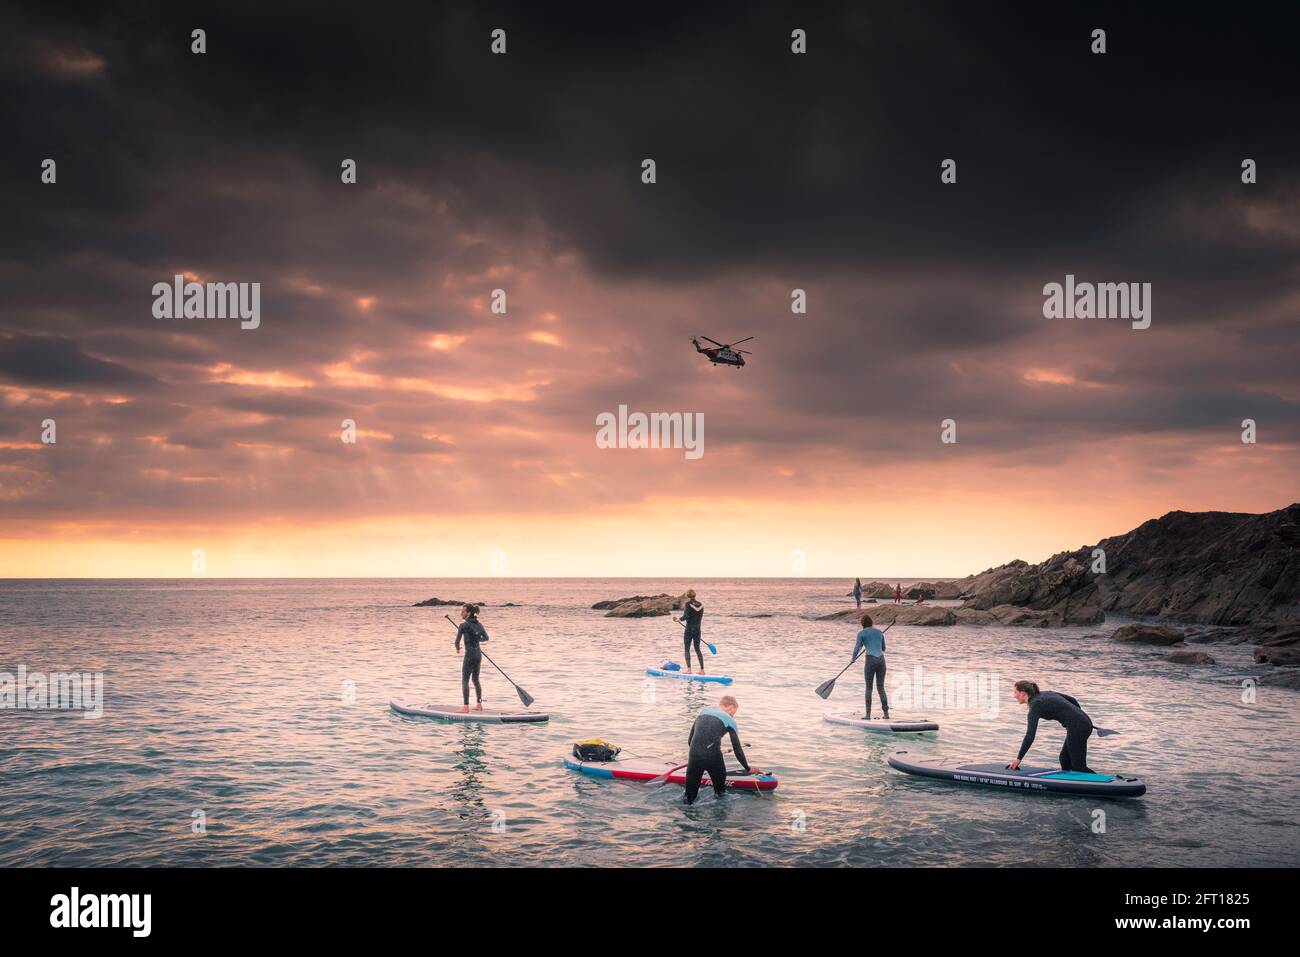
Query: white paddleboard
[452, 712]
[882, 725]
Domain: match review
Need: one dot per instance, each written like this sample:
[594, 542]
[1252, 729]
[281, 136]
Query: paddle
[524, 696]
[712, 649]
[824, 689]
[662, 779]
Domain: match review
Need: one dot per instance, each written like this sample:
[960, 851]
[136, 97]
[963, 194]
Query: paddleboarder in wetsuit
[1055, 706]
[474, 634]
[872, 641]
[705, 753]
[692, 612]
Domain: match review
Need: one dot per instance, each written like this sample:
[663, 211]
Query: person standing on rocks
[692, 612]
[857, 591]
[1055, 706]
[898, 593]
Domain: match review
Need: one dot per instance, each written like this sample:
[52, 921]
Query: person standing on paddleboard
[474, 634]
[872, 641]
[857, 591]
[692, 612]
[1055, 706]
[705, 754]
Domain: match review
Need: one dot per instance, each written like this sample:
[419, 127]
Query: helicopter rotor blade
[742, 340]
[714, 341]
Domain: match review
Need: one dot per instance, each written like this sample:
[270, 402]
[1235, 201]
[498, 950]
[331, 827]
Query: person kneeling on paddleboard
[705, 753]
[1055, 706]
[474, 634]
[872, 641]
[692, 612]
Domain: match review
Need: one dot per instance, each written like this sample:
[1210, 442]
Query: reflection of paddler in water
[468, 791]
[474, 634]
[692, 612]
[1055, 706]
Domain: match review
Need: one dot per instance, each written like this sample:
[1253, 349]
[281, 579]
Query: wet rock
[440, 603]
[883, 615]
[1190, 658]
[1148, 634]
[1278, 656]
[641, 606]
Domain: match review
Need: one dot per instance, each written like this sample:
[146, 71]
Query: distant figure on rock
[898, 593]
[857, 591]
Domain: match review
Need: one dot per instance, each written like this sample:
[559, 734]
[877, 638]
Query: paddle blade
[1105, 732]
[713, 649]
[824, 690]
[525, 697]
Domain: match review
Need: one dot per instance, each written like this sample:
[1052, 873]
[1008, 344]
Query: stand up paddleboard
[882, 725]
[645, 769]
[660, 673]
[1026, 779]
[451, 712]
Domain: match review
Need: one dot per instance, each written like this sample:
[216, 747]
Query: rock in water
[438, 602]
[1148, 635]
[640, 606]
[1190, 658]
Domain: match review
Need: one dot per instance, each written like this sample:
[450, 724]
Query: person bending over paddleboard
[1055, 706]
[706, 748]
[474, 634]
[692, 612]
[872, 641]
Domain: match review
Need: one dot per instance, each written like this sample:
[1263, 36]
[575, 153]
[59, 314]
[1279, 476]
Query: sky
[475, 451]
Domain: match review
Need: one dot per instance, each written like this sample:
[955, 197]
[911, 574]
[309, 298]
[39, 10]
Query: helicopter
[724, 354]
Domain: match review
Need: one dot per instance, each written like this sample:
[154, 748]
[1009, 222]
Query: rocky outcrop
[1219, 568]
[1149, 635]
[640, 606]
[1061, 588]
[1223, 568]
[439, 602]
[883, 615]
[939, 615]
[875, 590]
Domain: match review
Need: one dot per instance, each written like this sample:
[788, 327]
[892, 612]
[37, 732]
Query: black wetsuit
[474, 634]
[706, 753]
[1054, 706]
[692, 612]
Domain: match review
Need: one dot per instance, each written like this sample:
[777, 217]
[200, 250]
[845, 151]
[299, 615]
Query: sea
[248, 722]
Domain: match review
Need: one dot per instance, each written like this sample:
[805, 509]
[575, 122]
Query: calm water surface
[264, 705]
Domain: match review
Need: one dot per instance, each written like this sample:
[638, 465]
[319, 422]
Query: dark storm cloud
[775, 172]
[55, 362]
[826, 161]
